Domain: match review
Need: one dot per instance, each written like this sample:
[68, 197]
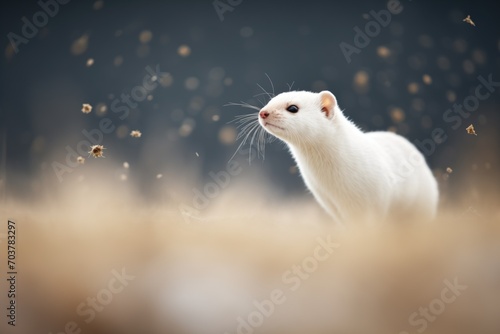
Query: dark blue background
[44, 85]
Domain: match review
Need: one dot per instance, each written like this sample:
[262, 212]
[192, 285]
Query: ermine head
[299, 115]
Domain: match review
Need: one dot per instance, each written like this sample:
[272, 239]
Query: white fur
[353, 175]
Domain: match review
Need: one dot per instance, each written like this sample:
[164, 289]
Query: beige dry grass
[199, 277]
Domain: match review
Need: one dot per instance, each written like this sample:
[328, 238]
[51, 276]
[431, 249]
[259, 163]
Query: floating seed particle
[86, 108]
[469, 21]
[449, 170]
[90, 62]
[126, 165]
[197, 154]
[470, 130]
[159, 176]
[80, 160]
[136, 133]
[97, 151]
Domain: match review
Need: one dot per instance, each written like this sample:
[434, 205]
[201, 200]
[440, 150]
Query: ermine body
[353, 175]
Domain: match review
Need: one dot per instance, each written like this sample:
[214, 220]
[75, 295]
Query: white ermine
[355, 176]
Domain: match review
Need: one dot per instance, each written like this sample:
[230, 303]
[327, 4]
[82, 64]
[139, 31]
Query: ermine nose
[263, 114]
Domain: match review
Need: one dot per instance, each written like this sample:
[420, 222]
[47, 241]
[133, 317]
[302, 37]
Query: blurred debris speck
[101, 109]
[451, 96]
[397, 115]
[425, 41]
[426, 78]
[80, 45]
[187, 127]
[135, 133]
[118, 61]
[145, 36]
[460, 45]
[413, 88]
[383, 51]
[86, 108]
[97, 151]
[184, 50]
[443, 63]
[227, 135]
[469, 66]
[469, 21]
[470, 130]
[98, 4]
[361, 81]
[192, 83]
[122, 131]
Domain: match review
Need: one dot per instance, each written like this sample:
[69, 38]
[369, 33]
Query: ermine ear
[328, 103]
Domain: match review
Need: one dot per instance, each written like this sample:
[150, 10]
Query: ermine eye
[293, 108]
